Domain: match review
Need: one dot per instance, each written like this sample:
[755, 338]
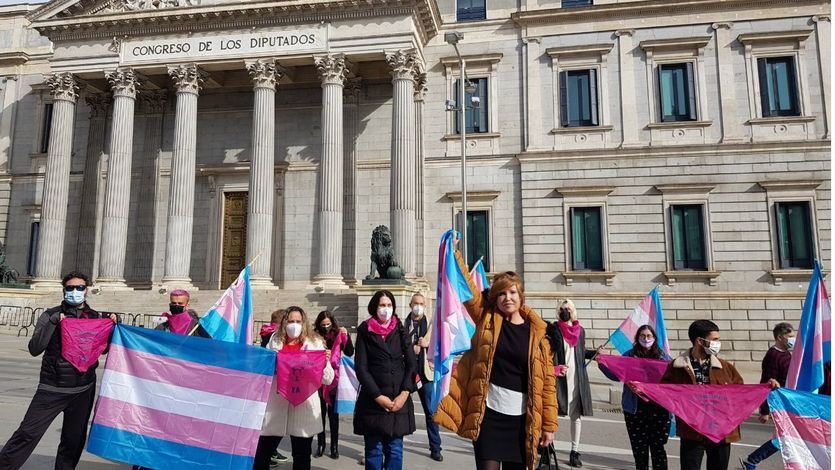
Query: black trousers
[44, 408]
[333, 420]
[301, 449]
[648, 429]
[692, 452]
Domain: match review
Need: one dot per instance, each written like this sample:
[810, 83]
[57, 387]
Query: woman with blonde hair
[502, 396]
[568, 341]
[300, 422]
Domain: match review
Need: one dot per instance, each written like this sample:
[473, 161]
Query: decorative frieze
[63, 86]
[134, 5]
[188, 78]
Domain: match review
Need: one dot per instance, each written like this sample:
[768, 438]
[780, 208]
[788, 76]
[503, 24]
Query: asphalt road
[605, 444]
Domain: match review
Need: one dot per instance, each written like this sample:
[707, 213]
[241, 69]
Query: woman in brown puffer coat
[503, 395]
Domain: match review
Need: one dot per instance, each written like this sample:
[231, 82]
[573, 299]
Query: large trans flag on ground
[648, 312]
[452, 326]
[804, 428]
[813, 346]
[230, 319]
[176, 402]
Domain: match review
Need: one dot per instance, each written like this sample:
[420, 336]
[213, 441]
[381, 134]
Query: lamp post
[452, 38]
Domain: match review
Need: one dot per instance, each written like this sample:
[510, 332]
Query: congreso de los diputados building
[611, 146]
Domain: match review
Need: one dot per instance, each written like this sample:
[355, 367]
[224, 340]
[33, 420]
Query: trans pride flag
[648, 312]
[348, 386]
[479, 276]
[804, 428]
[452, 327]
[813, 347]
[174, 402]
[230, 319]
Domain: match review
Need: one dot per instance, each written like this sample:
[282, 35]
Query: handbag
[548, 458]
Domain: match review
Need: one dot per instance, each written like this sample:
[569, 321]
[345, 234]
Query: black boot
[334, 450]
[574, 459]
[320, 449]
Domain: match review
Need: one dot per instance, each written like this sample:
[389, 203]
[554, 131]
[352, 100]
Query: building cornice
[473, 59]
[799, 35]
[677, 43]
[584, 49]
[648, 8]
[227, 16]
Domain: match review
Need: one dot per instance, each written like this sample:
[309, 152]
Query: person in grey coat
[568, 342]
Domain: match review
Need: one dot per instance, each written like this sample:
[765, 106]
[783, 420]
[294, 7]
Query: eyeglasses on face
[80, 287]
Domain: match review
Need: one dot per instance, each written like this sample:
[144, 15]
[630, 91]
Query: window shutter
[800, 235]
[594, 240]
[663, 96]
[783, 241]
[694, 238]
[691, 92]
[578, 239]
[593, 97]
[456, 93]
[765, 88]
[564, 99]
[483, 108]
[677, 237]
[794, 96]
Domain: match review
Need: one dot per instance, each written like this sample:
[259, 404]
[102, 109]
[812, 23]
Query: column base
[44, 284]
[328, 281]
[111, 284]
[262, 283]
[169, 284]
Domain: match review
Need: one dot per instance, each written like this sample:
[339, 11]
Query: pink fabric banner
[299, 374]
[639, 369]
[712, 410]
[83, 340]
[178, 323]
[336, 356]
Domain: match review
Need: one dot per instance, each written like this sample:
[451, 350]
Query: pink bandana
[178, 323]
[83, 341]
[571, 333]
[375, 327]
[299, 374]
[336, 356]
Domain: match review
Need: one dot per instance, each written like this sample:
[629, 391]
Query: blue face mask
[74, 297]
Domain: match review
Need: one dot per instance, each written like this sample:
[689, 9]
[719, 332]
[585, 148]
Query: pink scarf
[571, 333]
[267, 330]
[377, 328]
[178, 323]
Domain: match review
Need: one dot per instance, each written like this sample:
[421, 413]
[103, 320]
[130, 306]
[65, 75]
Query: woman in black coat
[568, 341]
[385, 366]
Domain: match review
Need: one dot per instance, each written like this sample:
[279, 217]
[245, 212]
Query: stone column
[420, 92]
[187, 79]
[351, 97]
[629, 127]
[332, 69]
[114, 239]
[259, 226]
[152, 215]
[56, 185]
[823, 29]
[99, 105]
[8, 103]
[731, 126]
[402, 186]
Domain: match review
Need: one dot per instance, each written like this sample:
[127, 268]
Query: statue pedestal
[401, 289]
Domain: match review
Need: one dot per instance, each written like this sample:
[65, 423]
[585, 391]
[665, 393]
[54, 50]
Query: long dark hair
[375, 302]
[321, 317]
[654, 352]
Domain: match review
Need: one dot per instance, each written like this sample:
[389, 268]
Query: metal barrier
[30, 320]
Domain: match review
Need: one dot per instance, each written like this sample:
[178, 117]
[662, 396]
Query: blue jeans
[765, 451]
[431, 426]
[380, 450]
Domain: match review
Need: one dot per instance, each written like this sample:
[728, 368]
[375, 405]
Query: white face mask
[417, 311]
[790, 342]
[293, 330]
[647, 343]
[384, 314]
[74, 297]
[713, 349]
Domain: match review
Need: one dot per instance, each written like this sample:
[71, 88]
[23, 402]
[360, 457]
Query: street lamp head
[469, 87]
[453, 37]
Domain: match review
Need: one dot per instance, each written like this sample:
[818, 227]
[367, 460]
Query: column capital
[723, 25]
[188, 78]
[821, 18]
[420, 85]
[265, 73]
[155, 101]
[352, 88]
[123, 82]
[402, 64]
[98, 103]
[625, 32]
[332, 68]
[63, 86]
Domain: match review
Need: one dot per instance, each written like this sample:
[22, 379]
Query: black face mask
[175, 309]
[565, 315]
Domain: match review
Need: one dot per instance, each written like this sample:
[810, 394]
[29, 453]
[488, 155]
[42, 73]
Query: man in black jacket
[178, 304]
[417, 330]
[62, 388]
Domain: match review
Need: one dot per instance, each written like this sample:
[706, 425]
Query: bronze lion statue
[383, 261]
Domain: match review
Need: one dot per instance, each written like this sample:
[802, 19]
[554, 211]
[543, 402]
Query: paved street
[605, 444]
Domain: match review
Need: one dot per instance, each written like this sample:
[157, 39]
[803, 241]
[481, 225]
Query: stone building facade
[617, 145]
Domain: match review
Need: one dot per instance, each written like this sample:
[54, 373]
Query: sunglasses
[81, 288]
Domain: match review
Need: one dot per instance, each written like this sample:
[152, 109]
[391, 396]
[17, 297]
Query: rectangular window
[794, 235]
[678, 92]
[476, 117]
[32, 259]
[688, 237]
[478, 237]
[46, 127]
[778, 86]
[578, 98]
[471, 10]
[586, 239]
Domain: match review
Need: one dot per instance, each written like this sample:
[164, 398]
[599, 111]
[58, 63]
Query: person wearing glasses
[62, 388]
[181, 319]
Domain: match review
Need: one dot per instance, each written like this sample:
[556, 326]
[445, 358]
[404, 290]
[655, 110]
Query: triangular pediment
[57, 9]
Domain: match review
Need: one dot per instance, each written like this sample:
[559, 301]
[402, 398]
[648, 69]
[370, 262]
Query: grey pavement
[605, 444]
